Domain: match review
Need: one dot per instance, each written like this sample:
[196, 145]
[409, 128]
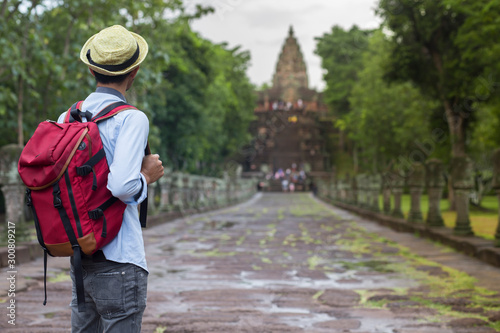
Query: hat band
[116, 68]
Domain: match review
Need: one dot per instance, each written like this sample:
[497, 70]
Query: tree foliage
[387, 121]
[196, 92]
[428, 49]
[341, 56]
[430, 74]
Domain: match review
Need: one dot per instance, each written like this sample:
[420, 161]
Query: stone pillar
[152, 190]
[12, 187]
[375, 185]
[221, 192]
[348, 190]
[463, 182]
[397, 184]
[386, 194]
[341, 188]
[202, 192]
[496, 187]
[365, 191]
[187, 191]
[354, 191]
[416, 182]
[165, 192]
[212, 193]
[361, 190]
[14, 195]
[176, 188]
[332, 189]
[435, 183]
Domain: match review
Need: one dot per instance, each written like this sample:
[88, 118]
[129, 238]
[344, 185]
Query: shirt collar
[111, 91]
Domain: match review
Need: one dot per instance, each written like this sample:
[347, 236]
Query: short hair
[107, 79]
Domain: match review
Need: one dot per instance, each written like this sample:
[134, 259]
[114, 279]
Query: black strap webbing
[88, 167]
[83, 171]
[76, 114]
[77, 255]
[143, 213]
[39, 236]
[97, 213]
[73, 204]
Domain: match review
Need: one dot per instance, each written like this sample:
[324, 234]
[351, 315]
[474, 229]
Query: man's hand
[152, 168]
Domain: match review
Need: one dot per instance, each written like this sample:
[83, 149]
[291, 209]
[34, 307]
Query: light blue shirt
[124, 137]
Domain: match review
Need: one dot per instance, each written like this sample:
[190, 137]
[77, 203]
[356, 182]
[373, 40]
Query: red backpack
[65, 169]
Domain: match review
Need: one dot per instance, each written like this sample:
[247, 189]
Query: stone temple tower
[290, 120]
[291, 73]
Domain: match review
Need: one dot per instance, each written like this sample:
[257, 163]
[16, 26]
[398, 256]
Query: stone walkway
[284, 263]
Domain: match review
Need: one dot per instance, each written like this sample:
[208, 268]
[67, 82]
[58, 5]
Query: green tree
[209, 102]
[478, 42]
[341, 55]
[196, 92]
[425, 50]
[388, 122]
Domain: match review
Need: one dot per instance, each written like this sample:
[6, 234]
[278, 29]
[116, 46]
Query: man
[115, 278]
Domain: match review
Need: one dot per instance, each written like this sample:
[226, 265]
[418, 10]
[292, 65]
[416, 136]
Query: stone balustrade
[174, 192]
[184, 192]
[362, 191]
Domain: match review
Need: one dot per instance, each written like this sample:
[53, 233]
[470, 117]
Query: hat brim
[143, 52]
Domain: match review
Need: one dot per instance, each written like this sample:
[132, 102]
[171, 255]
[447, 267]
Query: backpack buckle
[57, 199]
[96, 214]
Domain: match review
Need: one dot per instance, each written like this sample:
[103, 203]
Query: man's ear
[91, 71]
[134, 72]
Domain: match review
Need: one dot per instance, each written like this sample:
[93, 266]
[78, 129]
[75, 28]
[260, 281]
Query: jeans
[115, 298]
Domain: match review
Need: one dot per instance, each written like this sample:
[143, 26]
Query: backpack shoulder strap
[74, 109]
[108, 112]
[111, 110]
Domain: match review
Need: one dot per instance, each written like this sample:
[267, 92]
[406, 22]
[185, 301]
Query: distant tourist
[284, 185]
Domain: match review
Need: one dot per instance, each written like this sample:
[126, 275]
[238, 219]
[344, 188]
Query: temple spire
[291, 72]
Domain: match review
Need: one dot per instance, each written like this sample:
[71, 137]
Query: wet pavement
[289, 263]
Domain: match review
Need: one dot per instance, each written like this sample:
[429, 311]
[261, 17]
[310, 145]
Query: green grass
[484, 223]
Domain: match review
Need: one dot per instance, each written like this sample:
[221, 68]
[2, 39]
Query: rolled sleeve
[125, 180]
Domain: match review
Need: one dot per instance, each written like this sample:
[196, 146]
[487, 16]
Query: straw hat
[114, 51]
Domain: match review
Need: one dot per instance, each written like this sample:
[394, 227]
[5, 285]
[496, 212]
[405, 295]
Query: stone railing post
[386, 193]
[13, 188]
[348, 189]
[341, 186]
[165, 183]
[496, 187]
[202, 192]
[375, 186]
[435, 183]
[194, 192]
[354, 191]
[416, 182]
[152, 191]
[221, 192]
[213, 194]
[367, 189]
[461, 175]
[187, 187]
[176, 188]
[333, 189]
[397, 184]
[361, 190]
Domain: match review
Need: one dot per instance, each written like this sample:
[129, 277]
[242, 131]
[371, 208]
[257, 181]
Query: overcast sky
[261, 26]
